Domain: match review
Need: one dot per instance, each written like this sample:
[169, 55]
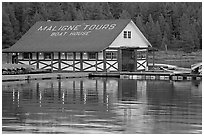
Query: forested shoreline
[167, 25]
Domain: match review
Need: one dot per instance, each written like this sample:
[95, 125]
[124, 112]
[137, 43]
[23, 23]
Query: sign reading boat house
[91, 45]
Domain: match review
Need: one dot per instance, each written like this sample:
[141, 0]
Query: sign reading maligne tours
[83, 29]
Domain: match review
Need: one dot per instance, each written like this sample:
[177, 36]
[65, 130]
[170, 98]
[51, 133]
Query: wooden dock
[122, 75]
[43, 76]
[147, 75]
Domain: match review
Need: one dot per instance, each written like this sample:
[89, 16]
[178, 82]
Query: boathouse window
[63, 55]
[27, 55]
[127, 34]
[111, 55]
[69, 55]
[47, 55]
[92, 55]
[141, 55]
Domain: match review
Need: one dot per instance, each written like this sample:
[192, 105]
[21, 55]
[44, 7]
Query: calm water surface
[102, 106]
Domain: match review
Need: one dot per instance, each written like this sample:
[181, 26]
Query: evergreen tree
[165, 42]
[162, 23]
[125, 15]
[139, 23]
[7, 31]
[54, 11]
[9, 9]
[69, 12]
[19, 10]
[155, 9]
[186, 35]
[154, 33]
[116, 9]
[157, 34]
[37, 17]
[148, 28]
[144, 7]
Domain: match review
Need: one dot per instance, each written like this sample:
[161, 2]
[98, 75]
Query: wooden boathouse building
[83, 46]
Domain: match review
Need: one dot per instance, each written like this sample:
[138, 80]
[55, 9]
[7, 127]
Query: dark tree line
[167, 25]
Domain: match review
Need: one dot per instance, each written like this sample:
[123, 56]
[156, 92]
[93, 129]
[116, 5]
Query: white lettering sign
[80, 33]
[75, 30]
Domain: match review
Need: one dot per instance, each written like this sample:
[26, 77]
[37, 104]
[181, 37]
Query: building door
[128, 60]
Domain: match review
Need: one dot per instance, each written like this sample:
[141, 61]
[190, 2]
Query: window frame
[69, 56]
[111, 55]
[45, 54]
[127, 34]
[91, 54]
[30, 56]
[141, 55]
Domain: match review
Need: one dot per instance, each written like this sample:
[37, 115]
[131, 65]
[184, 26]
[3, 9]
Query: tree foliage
[167, 25]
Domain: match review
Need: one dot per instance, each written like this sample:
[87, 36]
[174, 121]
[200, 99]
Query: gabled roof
[90, 35]
[69, 36]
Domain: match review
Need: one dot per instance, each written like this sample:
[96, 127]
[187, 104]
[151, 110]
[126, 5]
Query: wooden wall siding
[23, 62]
[112, 65]
[67, 65]
[100, 65]
[92, 65]
[141, 64]
[55, 65]
[77, 65]
[34, 63]
[81, 62]
[45, 64]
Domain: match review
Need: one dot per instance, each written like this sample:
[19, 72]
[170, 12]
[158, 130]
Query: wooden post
[147, 57]
[29, 55]
[74, 58]
[37, 59]
[59, 61]
[135, 59]
[59, 89]
[104, 91]
[16, 58]
[104, 60]
[74, 91]
[7, 57]
[153, 59]
[81, 61]
[120, 89]
[52, 54]
[81, 90]
[96, 61]
[119, 59]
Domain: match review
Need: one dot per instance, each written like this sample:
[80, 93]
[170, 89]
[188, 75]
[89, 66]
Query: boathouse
[90, 45]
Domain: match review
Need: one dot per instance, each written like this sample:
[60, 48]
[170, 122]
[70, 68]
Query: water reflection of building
[134, 105]
[101, 98]
[79, 91]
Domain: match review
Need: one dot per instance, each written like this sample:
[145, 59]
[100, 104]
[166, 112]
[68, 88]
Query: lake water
[102, 106]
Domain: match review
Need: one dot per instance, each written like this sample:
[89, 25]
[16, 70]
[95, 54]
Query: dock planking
[122, 75]
[147, 75]
[43, 76]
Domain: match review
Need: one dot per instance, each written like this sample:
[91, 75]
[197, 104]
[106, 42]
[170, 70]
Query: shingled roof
[69, 36]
